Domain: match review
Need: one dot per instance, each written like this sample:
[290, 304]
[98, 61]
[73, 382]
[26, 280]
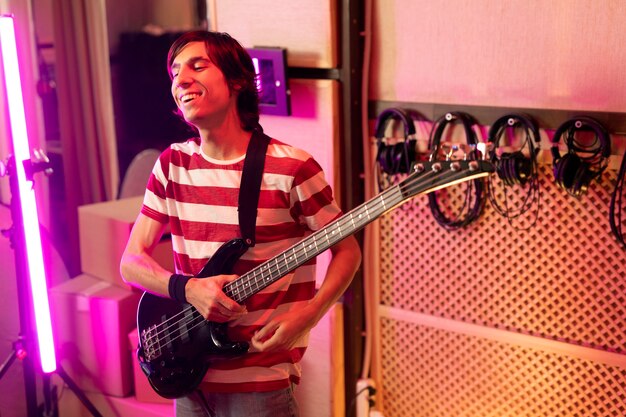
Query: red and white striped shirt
[198, 196]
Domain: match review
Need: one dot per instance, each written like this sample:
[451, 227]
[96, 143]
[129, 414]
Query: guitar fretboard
[441, 174]
[268, 272]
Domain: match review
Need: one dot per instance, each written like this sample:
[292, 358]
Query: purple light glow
[34, 254]
[257, 71]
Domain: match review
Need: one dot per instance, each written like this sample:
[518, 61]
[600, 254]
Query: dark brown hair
[236, 65]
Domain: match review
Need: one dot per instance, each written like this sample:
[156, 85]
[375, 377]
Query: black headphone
[396, 158]
[572, 171]
[477, 184]
[514, 167]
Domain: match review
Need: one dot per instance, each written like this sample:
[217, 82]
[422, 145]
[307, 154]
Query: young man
[194, 189]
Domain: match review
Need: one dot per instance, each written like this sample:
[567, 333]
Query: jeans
[280, 403]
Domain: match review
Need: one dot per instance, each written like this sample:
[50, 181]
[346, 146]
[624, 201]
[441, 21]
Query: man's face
[199, 87]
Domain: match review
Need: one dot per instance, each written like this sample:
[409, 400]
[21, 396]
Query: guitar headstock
[478, 165]
[428, 176]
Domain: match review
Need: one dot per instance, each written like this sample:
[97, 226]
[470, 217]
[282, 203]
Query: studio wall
[563, 54]
[490, 320]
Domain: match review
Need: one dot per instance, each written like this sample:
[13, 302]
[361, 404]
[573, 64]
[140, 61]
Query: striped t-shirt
[198, 196]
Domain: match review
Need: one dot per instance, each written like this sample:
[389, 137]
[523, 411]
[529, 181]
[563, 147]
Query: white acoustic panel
[307, 28]
[321, 391]
[312, 126]
[560, 54]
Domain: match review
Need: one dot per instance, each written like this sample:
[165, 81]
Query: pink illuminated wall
[562, 54]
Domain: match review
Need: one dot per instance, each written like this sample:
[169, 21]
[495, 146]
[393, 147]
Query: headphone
[573, 172]
[396, 158]
[514, 167]
[478, 184]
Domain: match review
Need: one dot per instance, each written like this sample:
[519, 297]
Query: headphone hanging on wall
[583, 162]
[395, 158]
[475, 188]
[515, 168]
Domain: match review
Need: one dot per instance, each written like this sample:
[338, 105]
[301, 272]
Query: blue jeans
[280, 403]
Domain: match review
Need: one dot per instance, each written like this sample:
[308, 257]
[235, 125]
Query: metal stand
[24, 345]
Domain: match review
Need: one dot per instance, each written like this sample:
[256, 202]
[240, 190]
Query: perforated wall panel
[563, 280]
[433, 373]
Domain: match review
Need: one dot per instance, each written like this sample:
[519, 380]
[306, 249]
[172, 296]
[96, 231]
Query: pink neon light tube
[21, 152]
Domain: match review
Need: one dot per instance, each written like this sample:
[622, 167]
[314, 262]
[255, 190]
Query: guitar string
[397, 193]
[349, 217]
[299, 251]
[175, 321]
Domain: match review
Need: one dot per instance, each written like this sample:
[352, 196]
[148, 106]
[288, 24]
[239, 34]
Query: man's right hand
[206, 295]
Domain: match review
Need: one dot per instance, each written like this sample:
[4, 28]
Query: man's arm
[139, 269]
[283, 332]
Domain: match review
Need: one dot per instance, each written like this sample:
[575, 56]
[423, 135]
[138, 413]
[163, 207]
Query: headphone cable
[616, 207]
[532, 196]
[474, 190]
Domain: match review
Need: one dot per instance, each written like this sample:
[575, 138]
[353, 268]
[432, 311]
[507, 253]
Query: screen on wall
[270, 66]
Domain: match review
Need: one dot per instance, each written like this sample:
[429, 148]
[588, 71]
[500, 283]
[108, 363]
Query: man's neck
[225, 143]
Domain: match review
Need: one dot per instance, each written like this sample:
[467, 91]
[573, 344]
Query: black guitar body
[176, 344]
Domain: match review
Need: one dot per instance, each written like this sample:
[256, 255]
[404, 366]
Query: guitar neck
[285, 262]
[428, 177]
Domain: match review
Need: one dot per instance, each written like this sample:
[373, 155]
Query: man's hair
[236, 65]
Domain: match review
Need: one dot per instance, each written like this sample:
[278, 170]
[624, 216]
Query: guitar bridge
[150, 343]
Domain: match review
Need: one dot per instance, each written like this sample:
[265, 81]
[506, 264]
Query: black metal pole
[352, 185]
[23, 292]
[25, 345]
[77, 391]
[7, 363]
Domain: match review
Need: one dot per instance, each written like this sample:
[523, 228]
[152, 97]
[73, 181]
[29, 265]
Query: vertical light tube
[32, 238]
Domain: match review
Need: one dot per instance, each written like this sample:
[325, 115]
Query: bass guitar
[177, 345]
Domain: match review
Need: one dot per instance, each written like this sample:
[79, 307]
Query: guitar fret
[293, 258]
[278, 268]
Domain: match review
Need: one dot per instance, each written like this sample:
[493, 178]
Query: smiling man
[194, 189]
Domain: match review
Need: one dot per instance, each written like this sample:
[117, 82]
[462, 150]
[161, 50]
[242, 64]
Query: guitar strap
[250, 187]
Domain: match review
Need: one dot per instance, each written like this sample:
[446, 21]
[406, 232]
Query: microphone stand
[24, 344]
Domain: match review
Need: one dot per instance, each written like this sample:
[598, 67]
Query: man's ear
[234, 90]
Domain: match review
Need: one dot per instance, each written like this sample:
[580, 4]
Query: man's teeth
[189, 97]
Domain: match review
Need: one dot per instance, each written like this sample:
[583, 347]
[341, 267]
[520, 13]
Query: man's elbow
[126, 267]
[353, 252]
